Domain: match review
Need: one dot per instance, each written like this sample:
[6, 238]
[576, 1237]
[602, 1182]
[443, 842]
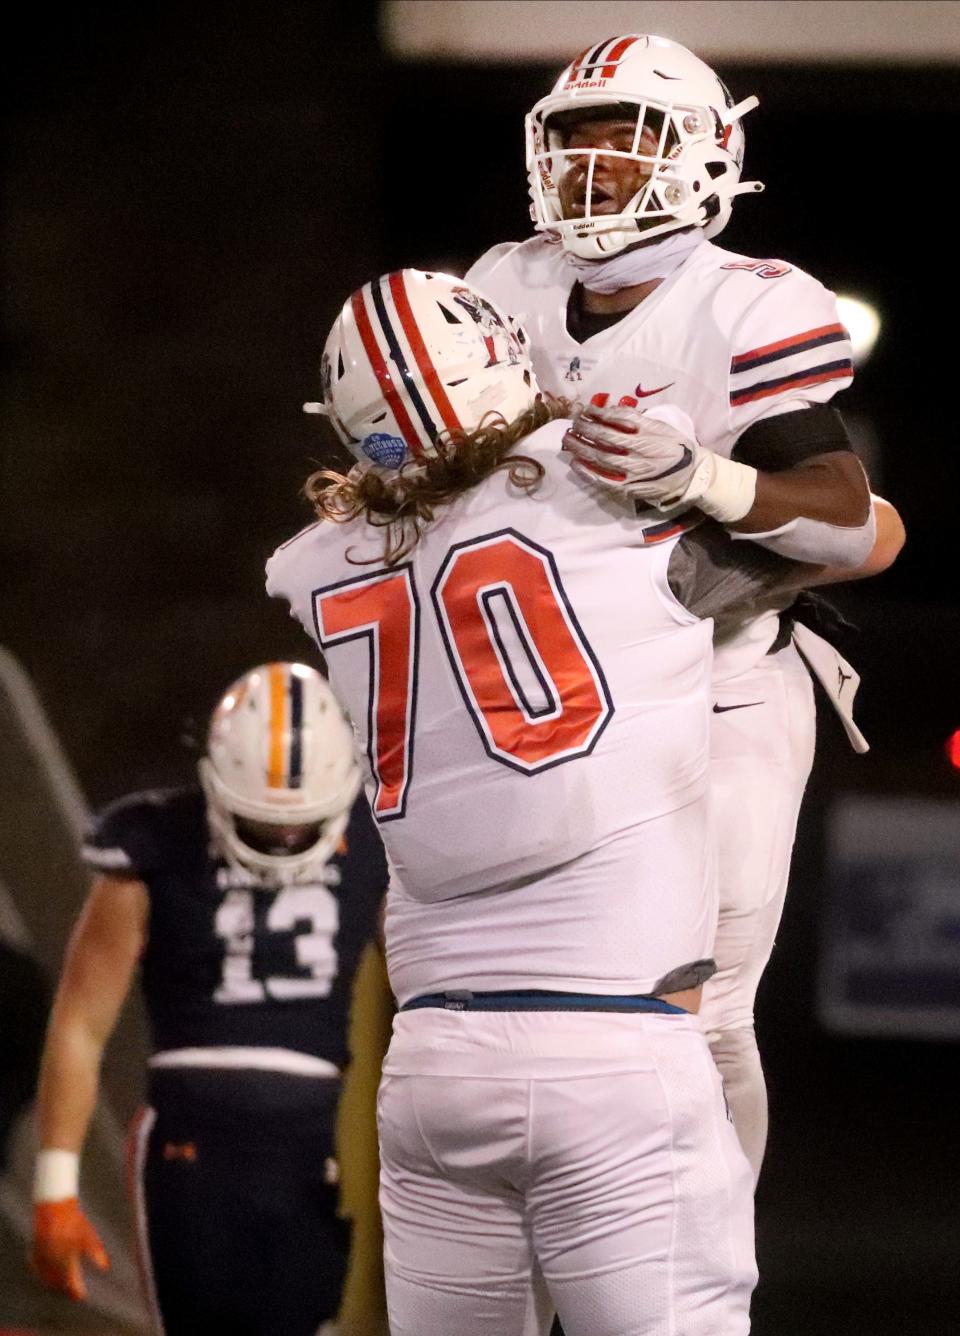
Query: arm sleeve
[788, 351]
[782, 442]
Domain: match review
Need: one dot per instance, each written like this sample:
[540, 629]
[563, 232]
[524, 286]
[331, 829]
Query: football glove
[62, 1238]
[653, 456]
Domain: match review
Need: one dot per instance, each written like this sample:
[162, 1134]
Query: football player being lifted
[538, 747]
[246, 903]
[707, 377]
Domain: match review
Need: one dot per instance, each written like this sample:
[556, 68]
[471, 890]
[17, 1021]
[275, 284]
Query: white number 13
[314, 949]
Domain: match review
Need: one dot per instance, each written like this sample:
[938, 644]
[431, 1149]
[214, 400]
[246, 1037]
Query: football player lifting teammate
[707, 378]
[538, 747]
[246, 903]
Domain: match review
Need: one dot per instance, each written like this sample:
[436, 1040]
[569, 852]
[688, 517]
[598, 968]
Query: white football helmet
[279, 753]
[413, 355]
[678, 101]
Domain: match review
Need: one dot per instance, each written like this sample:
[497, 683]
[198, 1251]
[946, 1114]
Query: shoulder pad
[509, 261]
[489, 261]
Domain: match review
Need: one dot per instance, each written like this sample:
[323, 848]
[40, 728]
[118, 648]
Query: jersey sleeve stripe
[842, 370]
[659, 533]
[770, 352]
[107, 860]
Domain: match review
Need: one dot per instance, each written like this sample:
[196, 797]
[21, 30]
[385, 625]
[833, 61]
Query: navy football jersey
[230, 961]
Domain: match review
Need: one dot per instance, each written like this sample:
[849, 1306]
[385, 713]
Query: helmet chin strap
[658, 259]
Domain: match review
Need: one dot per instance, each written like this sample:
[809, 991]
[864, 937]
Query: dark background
[188, 199]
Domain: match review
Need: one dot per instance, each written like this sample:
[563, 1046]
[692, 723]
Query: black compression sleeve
[782, 442]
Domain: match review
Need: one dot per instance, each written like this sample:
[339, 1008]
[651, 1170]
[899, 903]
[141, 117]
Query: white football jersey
[534, 704]
[727, 339]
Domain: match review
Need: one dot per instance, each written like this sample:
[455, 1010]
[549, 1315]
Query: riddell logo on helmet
[589, 83]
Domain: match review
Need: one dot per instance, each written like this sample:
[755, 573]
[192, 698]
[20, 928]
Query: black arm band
[778, 443]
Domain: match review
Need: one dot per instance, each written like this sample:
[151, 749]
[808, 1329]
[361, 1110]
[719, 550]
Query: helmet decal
[383, 449]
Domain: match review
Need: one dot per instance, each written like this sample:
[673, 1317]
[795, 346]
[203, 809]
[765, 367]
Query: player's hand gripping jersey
[727, 339]
[533, 702]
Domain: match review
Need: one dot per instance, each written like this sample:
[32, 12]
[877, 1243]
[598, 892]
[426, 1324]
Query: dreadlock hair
[404, 503]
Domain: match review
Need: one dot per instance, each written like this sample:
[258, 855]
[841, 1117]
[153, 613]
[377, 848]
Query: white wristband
[56, 1175]
[722, 488]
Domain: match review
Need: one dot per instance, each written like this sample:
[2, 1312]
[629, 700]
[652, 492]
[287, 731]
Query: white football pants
[595, 1146]
[762, 743]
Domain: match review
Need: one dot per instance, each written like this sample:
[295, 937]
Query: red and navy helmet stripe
[796, 380]
[411, 329]
[587, 63]
[385, 380]
[617, 53]
[400, 361]
[798, 343]
[577, 66]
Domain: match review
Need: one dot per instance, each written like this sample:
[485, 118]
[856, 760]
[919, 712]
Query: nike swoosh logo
[641, 393]
[685, 459]
[747, 705]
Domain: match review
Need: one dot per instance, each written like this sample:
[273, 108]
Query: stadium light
[862, 323]
[952, 749]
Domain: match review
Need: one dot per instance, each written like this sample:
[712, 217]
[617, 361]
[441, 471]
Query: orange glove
[62, 1237]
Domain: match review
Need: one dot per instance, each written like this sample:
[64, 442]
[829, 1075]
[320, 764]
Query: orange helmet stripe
[276, 767]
